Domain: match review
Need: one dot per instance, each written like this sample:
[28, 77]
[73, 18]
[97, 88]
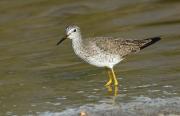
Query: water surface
[37, 76]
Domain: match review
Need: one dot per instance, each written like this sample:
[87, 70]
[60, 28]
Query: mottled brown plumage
[118, 46]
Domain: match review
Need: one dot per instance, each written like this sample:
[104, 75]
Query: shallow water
[37, 76]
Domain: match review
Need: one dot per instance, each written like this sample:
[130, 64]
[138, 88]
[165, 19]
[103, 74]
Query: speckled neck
[77, 45]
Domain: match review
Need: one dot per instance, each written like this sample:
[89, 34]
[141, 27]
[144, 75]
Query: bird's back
[120, 46]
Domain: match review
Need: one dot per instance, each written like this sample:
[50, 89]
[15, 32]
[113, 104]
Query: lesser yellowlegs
[104, 51]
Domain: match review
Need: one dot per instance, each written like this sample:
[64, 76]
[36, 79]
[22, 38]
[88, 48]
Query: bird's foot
[109, 88]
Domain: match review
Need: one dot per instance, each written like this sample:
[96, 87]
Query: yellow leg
[115, 90]
[114, 77]
[109, 88]
[110, 78]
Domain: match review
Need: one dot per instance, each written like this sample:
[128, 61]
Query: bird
[104, 52]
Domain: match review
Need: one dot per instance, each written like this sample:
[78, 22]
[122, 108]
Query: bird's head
[72, 32]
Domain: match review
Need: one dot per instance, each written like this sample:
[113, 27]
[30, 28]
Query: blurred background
[39, 78]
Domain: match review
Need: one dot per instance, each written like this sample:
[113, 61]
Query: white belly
[103, 60]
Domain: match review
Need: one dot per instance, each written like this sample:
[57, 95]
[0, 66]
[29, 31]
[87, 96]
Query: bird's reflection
[112, 90]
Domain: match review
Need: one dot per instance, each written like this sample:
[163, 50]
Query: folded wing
[123, 47]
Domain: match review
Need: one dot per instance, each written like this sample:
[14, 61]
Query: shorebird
[104, 51]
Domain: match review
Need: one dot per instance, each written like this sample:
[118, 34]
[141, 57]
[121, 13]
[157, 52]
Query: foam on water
[140, 106]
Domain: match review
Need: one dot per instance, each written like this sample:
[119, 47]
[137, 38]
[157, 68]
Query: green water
[38, 76]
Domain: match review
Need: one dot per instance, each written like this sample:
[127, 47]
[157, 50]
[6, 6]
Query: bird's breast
[95, 56]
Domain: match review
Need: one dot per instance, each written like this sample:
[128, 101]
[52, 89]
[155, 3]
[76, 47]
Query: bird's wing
[118, 45]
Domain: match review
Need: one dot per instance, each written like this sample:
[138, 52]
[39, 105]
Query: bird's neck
[77, 42]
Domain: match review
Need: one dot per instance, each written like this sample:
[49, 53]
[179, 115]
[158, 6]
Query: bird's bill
[65, 37]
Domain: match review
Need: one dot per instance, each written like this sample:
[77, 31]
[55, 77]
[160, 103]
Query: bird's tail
[150, 42]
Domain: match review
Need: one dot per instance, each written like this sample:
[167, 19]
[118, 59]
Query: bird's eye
[74, 30]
